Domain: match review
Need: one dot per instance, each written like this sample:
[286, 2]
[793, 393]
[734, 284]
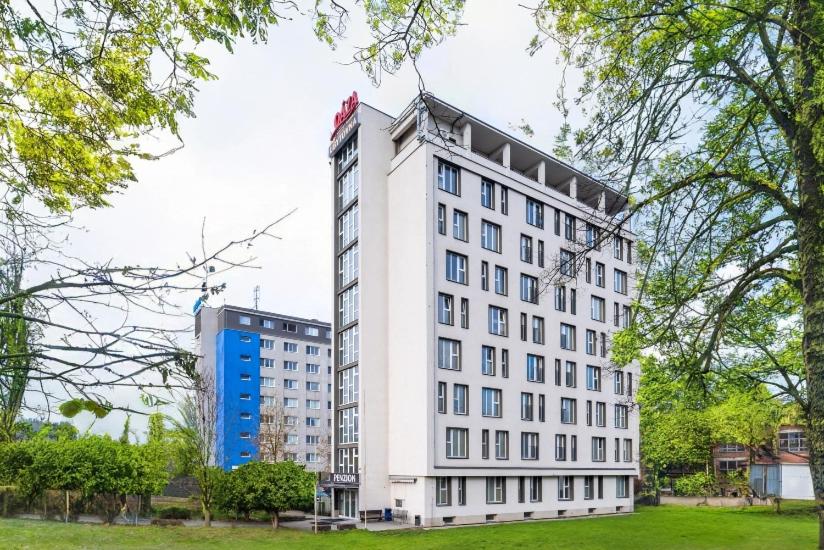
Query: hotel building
[478, 282]
[272, 377]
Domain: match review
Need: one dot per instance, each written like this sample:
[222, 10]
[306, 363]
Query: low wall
[712, 501]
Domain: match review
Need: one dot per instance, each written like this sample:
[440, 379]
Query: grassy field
[666, 527]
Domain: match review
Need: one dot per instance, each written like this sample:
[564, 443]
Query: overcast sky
[257, 149]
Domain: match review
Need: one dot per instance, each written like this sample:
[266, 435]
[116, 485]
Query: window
[348, 227]
[245, 454]
[505, 363]
[600, 414]
[487, 194]
[569, 227]
[567, 337]
[314, 421]
[618, 247]
[573, 448]
[603, 344]
[245, 357]
[589, 413]
[501, 280]
[348, 265]
[443, 491]
[731, 448]
[311, 331]
[267, 382]
[537, 330]
[267, 323]
[449, 354]
[490, 236]
[618, 382]
[599, 449]
[529, 288]
[593, 378]
[501, 445]
[266, 343]
[455, 267]
[541, 408]
[488, 360]
[535, 368]
[245, 339]
[599, 274]
[290, 327]
[571, 374]
[290, 347]
[348, 386]
[567, 263]
[588, 269]
[485, 444]
[540, 253]
[598, 309]
[460, 399]
[459, 221]
[557, 221]
[448, 179]
[557, 372]
[529, 446]
[312, 350]
[348, 306]
[290, 439]
[245, 416]
[620, 281]
[347, 153]
[565, 487]
[484, 275]
[442, 397]
[629, 252]
[625, 316]
[313, 404]
[497, 321]
[573, 301]
[464, 313]
[290, 402]
[267, 400]
[592, 235]
[627, 450]
[535, 213]
[442, 219]
[535, 488]
[495, 490]
[244, 320]
[445, 308]
[245, 396]
[290, 384]
[456, 442]
[591, 342]
[560, 447]
[622, 486]
[491, 402]
[616, 313]
[523, 326]
[621, 413]
[560, 298]
[504, 200]
[526, 249]
[267, 363]
[461, 491]
[589, 487]
[526, 406]
[568, 411]
[245, 435]
[290, 366]
[245, 377]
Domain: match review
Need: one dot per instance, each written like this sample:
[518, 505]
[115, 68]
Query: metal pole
[67, 506]
[316, 503]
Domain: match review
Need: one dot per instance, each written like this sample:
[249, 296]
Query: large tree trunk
[207, 515]
[275, 520]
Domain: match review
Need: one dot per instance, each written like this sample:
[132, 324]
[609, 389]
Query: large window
[535, 489]
[490, 236]
[529, 288]
[459, 225]
[592, 342]
[534, 368]
[443, 491]
[460, 399]
[620, 282]
[501, 445]
[535, 213]
[793, 441]
[560, 447]
[593, 378]
[488, 194]
[501, 280]
[599, 274]
[598, 309]
[348, 265]
[456, 442]
[527, 406]
[347, 425]
[567, 262]
[600, 414]
[348, 305]
[526, 249]
[565, 487]
[568, 410]
[488, 360]
[567, 337]
[456, 267]
[599, 449]
[571, 374]
[348, 185]
[491, 402]
[622, 486]
[529, 446]
[538, 330]
[446, 309]
[349, 348]
[448, 178]
[348, 227]
[497, 321]
[449, 354]
[621, 413]
[495, 490]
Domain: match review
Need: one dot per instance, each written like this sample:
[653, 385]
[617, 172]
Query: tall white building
[478, 281]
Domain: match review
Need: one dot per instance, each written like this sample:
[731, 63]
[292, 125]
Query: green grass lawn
[668, 527]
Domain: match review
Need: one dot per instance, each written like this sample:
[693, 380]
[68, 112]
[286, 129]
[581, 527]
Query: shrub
[699, 484]
[174, 512]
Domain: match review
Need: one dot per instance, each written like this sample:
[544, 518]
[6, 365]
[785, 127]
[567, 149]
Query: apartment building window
[348, 386]
[461, 491]
[267, 400]
[504, 201]
[629, 252]
[524, 327]
[290, 439]
[627, 450]
[535, 213]
[245, 377]
[313, 350]
[291, 366]
[529, 288]
[535, 368]
[491, 402]
[443, 491]
[560, 298]
[313, 404]
[245, 339]
[622, 487]
[488, 360]
[541, 408]
[591, 342]
[621, 413]
[245, 416]
[501, 280]
[244, 320]
[347, 152]
[484, 275]
[348, 265]
[460, 399]
[591, 235]
[620, 281]
[311, 331]
[529, 446]
[616, 313]
[599, 274]
[290, 402]
[442, 219]
[501, 445]
[603, 344]
[487, 194]
[449, 354]
[290, 327]
[245, 435]
[526, 249]
[565, 487]
[567, 337]
[569, 227]
[593, 378]
[266, 343]
[464, 313]
[557, 372]
[267, 363]
[349, 349]
[526, 406]
[485, 444]
[445, 308]
[618, 382]
[459, 222]
[567, 263]
[490, 236]
[557, 221]
[456, 267]
[568, 410]
[617, 449]
[560, 447]
[267, 382]
[505, 363]
[573, 301]
[497, 321]
[573, 448]
[290, 347]
[348, 227]
[589, 412]
[288, 420]
[589, 487]
[448, 178]
[456, 442]
[598, 309]
[267, 323]
[571, 374]
[245, 357]
[348, 309]
[535, 489]
[442, 397]
[618, 247]
[625, 316]
[290, 384]
[347, 426]
[793, 441]
[496, 490]
[600, 414]
[537, 330]
[599, 449]
[245, 396]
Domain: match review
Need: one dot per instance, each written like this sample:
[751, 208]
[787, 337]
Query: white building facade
[478, 282]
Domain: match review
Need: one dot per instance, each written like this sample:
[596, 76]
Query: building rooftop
[273, 315]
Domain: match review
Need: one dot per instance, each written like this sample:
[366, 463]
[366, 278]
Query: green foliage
[699, 484]
[73, 407]
[174, 512]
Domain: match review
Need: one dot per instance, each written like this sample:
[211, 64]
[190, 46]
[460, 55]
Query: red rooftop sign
[347, 107]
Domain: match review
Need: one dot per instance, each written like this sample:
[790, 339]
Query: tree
[274, 431]
[274, 487]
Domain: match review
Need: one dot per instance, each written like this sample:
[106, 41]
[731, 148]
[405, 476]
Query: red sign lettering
[347, 107]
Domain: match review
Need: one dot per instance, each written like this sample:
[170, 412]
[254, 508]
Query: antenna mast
[257, 296]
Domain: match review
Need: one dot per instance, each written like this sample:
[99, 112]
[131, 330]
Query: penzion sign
[347, 107]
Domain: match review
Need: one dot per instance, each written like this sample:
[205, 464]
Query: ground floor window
[622, 486]
[565, 487]
[443, 491]
[495, 490]
[589, 487]
[535, 489]
[461, 491]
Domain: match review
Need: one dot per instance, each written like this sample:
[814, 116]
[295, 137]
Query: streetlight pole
[317, 476]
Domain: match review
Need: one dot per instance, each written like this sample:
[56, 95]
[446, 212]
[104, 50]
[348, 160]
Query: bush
[696, 485]
[174, 512]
